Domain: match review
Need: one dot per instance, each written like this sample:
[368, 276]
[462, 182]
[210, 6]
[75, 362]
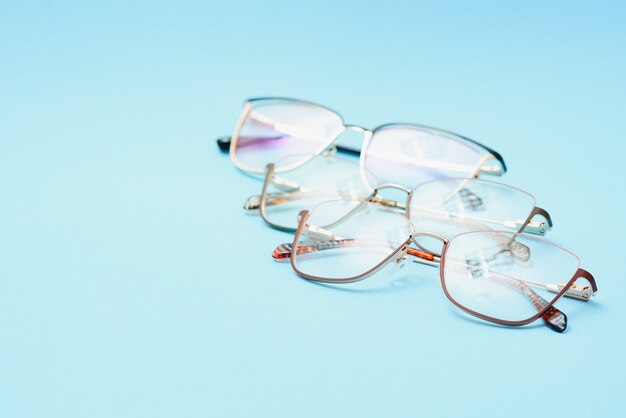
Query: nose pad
[398, 264]
[401, 257]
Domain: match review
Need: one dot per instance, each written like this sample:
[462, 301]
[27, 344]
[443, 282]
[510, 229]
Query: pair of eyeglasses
[274, 130]
[504, 277]
[439, 205]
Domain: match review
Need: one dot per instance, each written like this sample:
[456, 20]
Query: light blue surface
[133, 285]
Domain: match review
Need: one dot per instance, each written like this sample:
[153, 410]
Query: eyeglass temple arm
[272, 199]
[283, 251]
[537, 227]
[528, 225]
[224, 142]
[573, 291]
[275, 199]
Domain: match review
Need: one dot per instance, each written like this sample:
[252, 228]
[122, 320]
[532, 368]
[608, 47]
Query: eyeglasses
[503, 277]
[448, 205]
[273, 130]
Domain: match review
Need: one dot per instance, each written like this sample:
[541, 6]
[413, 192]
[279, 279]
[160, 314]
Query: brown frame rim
[580, 272]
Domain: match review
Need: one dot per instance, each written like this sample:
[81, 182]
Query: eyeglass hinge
[574, 291]
[253, 203]
[494, 170]
[534, 227]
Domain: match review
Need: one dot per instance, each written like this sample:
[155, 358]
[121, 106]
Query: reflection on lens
[504, 275]
[274, 129]
[324, 177]
[410, 155]
[452, 206]
[345, 239]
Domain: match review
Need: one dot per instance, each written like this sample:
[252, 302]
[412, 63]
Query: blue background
[132, 284]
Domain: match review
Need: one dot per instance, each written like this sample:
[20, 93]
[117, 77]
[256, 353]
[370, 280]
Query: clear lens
[275, 128]
[503, 275]
[410, 155]
[324, 177]
[452, 206]
[346, 239]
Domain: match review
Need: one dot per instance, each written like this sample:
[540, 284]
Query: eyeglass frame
[229, 143]
[538, 228]
[569, 289]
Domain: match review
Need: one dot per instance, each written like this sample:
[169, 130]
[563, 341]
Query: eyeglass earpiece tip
[223, 143]
[555, 320]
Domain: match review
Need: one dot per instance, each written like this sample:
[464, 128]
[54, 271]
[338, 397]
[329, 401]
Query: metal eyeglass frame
[230, 143]
[553, 318]
[260, 202]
